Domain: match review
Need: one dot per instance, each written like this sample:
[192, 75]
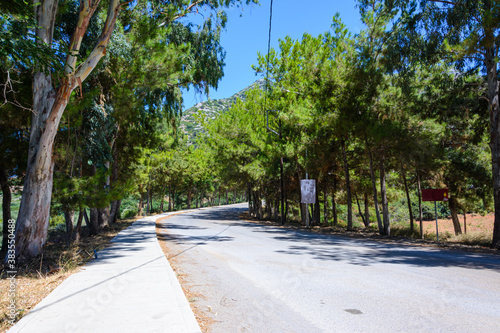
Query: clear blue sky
[246, 35]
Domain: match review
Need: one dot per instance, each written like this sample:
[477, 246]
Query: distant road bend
[256, 278]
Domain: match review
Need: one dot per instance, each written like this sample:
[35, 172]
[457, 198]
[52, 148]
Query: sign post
[308, 195]
[433, 194]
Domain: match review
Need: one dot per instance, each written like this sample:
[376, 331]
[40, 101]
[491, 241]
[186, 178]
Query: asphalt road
[255, 278]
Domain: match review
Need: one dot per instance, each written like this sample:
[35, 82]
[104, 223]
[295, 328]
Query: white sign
[308, 190]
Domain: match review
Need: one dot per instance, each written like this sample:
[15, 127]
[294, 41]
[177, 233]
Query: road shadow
[217, 214]
[164, 225]
[363, 252]
[192, 240]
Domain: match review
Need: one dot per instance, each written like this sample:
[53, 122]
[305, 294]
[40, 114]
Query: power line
[268, 51]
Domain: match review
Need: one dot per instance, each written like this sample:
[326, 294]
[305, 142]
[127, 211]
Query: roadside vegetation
[88, 137]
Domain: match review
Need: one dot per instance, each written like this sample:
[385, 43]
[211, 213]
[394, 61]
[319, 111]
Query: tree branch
[187, 11]
[444, 1]
[100, 49]
[87, 9]
[8, 85]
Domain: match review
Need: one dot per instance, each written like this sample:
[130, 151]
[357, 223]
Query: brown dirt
[204, 321]
[34, 279]
[475, 223]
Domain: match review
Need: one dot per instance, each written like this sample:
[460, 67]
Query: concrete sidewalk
[131, 287]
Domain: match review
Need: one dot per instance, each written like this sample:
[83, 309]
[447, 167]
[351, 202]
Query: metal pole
[436, 212]
[281, 185]
[307, 205]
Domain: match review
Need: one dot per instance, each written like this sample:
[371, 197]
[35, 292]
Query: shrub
[56, 220]
[473, 238]
[129, 213]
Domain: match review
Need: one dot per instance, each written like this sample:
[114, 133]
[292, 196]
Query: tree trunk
[173, 199]
[491, 69]
[403, 172]
[139, 209]
[227, 199]
[48, 108]
[269, 212]
[420, 217]
[94, 221]
[68, 217]
[87, 220]
[334, 204]
[189, 196]
[465, 222]
[256, 205]
[383, 194]
[276, 209]
[325, 207]
[250, 208]
[375, 195]
[151, 202]
[452, 203]
[148, 200]
[367, 210]
[261, 212]
[317, 211]
[115, 211]
[169, 197]
[348, 187]
[6, 213]
[359, 211]
[78, 229]
[103, 217]
[303, 213]
[287, 209]
[162, 198]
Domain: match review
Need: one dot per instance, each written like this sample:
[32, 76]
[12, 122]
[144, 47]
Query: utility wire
[268, 51]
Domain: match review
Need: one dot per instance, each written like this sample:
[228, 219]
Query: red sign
[435, 194]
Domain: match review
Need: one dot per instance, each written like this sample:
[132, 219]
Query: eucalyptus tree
[50, 97]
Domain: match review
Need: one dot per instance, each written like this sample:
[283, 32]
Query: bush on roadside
[129, 213]
[473, 238]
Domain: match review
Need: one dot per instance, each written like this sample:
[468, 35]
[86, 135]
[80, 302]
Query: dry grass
[203, 320]
[38, 277]
[473, 238]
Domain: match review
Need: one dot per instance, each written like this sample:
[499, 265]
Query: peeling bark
[6, 213]
[49, 104]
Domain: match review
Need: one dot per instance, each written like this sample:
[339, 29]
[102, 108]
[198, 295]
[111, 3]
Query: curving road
[255, 278]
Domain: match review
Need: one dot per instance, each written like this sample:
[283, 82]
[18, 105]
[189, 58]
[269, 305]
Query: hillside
[211, 109]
